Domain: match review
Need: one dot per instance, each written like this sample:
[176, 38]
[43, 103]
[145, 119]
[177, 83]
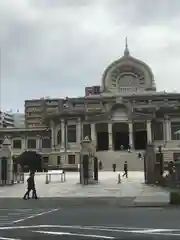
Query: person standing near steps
[31, 186]
[125, 169]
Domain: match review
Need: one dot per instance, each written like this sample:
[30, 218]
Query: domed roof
[127, 72]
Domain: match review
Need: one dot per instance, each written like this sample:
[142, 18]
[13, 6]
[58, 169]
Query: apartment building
[37, 109]
[6, 119]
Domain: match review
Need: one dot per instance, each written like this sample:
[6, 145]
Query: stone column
[24, 143]
[87, 154]
[62, 133]
[38, 142]
[131, 142]
[110, 135]
[149, 131]
[52, 135]
[170, 137]
[82, 133]
[167, 128]
[78, 131]
[93, 133]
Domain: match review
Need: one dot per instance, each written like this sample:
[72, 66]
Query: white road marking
[120, 227]
[163, 232]
[151, 231]
[77, 227]
[16, 209]
[75, 234]
[35, 215]
[9, 216]
[4, 238]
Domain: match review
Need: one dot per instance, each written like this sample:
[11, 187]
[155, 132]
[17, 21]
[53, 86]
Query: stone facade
[129, 112]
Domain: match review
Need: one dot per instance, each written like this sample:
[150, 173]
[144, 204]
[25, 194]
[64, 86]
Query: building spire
[126, 50]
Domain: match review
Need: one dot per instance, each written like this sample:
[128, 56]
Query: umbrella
[30, 159]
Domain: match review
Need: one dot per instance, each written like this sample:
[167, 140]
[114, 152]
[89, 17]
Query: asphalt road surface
[90, 223]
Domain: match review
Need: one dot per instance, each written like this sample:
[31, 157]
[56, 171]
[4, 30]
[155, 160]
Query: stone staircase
[168, 156]
[119, 157]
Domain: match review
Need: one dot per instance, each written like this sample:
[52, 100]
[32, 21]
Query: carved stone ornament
[6, 142]
[86, 138]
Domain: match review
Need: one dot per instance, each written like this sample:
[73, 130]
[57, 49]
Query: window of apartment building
[58, 160]
[71, 159]
[17, 144]
[31, 143]
[46, 143]
[59, 137]
[71, 133]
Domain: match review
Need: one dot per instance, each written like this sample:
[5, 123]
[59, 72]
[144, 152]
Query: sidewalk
[131, 191]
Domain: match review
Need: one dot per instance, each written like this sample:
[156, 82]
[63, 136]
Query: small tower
[126, 50]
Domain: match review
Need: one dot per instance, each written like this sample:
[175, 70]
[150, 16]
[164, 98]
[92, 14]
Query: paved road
[92, 223]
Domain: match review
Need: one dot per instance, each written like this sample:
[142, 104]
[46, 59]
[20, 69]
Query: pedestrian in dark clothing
[100, 165]
[114, 167]
[125, 169]
[139, 156]
[31, 186]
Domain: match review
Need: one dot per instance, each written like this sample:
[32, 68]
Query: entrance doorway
[120, 136]
[140, 136]
[102, 141]
[140, 140]
[102, 137]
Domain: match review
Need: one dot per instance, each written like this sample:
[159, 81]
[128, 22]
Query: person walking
[100, 165]
[114, 167]
[31, 186]
[125, 169]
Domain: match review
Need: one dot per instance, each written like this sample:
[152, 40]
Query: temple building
[128, 111]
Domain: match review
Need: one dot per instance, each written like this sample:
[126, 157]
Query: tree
[31, 159]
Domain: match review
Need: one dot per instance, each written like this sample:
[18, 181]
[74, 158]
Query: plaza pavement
[130, 192]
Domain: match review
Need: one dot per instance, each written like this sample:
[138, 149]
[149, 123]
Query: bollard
[22, 177]
[119, 178]
[47, 181]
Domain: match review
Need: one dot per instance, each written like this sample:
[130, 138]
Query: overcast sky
[57, 47]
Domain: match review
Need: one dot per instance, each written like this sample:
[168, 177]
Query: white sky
[57, 47]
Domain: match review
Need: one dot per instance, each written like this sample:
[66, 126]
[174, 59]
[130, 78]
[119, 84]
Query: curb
[44, 203]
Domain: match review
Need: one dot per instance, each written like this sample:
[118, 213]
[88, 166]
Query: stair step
[110, 157]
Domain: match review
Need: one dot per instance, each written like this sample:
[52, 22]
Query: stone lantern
[6, 163]
[87, 155]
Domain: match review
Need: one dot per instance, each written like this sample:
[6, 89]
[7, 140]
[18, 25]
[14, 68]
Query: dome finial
[126, 50]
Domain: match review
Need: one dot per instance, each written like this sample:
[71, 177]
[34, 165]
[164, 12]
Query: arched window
[59, 137]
